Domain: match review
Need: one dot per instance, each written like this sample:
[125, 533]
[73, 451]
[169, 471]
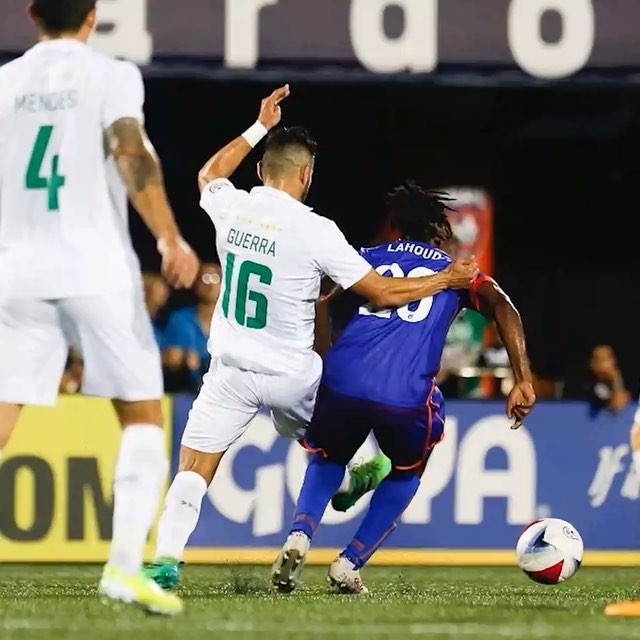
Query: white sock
[636, 460]
[140, 473]
[180, 514]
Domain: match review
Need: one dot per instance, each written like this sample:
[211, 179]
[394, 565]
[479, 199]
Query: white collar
[276, 193]
[58, 44]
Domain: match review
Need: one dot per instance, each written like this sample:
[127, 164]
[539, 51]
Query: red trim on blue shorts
[431, 408]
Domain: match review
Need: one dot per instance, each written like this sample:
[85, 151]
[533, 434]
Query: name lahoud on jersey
[48, 102]
[259, 480]
[428, 253]
[252, 242]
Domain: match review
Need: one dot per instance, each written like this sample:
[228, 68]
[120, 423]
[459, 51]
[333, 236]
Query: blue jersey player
[380, 376]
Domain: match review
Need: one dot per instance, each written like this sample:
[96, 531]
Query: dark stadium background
[561, 163]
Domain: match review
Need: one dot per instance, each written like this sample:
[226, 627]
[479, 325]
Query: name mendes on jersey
[252, 242]
[428, 253]
[49, 102]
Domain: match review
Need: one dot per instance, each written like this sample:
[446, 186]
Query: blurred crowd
[475, 364]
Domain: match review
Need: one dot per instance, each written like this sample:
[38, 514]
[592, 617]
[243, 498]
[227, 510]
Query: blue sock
[388, 503]
[322, 480]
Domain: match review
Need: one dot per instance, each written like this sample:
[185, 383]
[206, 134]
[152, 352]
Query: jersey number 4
[414, 312]
[243, 294]
[34, 178]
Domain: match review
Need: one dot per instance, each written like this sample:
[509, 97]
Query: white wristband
[255, 133]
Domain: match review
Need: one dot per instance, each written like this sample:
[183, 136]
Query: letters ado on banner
[417, 47]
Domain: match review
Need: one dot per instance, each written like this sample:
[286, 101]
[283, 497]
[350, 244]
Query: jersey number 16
[243, 294]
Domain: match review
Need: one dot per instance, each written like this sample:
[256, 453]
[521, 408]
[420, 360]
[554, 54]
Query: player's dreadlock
[420, 215]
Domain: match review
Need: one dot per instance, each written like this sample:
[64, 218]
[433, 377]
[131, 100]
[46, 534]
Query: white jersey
[274, 251]
[63, 208]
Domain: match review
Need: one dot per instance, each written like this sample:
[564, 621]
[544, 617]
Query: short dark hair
[61, 16]
[283, 144]
[418, 214]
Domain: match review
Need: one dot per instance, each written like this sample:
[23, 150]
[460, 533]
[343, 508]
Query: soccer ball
[550, 551]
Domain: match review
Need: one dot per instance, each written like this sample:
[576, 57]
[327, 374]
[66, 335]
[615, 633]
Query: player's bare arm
[322, 335]
[496, 305]
[140, 168]
[460, 276]
[330, 292]
[225, 162]
[395, 292]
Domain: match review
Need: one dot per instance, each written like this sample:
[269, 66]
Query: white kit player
[274, 251]
[70, 119]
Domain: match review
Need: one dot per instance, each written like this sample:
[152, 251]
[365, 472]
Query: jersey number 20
[414, 312]
[243, 294]
[34, 178]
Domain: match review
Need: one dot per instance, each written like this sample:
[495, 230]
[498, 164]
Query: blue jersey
[392, 356]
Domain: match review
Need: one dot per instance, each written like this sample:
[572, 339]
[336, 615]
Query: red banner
[472, 222]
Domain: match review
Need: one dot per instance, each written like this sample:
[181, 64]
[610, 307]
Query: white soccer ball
[550, 551]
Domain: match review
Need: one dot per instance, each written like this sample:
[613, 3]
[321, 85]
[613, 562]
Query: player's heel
[165, 572]
[285, 574]
[343, 577]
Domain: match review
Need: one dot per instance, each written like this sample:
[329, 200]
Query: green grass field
[59, 602]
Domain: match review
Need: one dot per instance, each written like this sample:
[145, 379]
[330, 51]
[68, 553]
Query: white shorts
[230, 398]
[113, 333]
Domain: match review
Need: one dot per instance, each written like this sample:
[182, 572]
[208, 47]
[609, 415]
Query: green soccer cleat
[165, 572]
[363, 478]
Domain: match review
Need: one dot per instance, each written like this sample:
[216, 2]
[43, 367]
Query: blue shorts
[407, 435]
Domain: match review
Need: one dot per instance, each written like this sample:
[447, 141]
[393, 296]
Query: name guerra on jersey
[252, 242]
[56, 101]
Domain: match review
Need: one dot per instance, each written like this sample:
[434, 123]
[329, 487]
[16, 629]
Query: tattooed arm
[141, 171]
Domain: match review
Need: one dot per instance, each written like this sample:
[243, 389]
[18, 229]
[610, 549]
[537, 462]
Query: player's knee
[9, 414]
[143, 412]
[5, 436]
[204, 464]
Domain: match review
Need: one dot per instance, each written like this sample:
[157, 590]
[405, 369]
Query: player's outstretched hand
[179, 263]
[462, 273]
[270, 111]
[520, 403]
